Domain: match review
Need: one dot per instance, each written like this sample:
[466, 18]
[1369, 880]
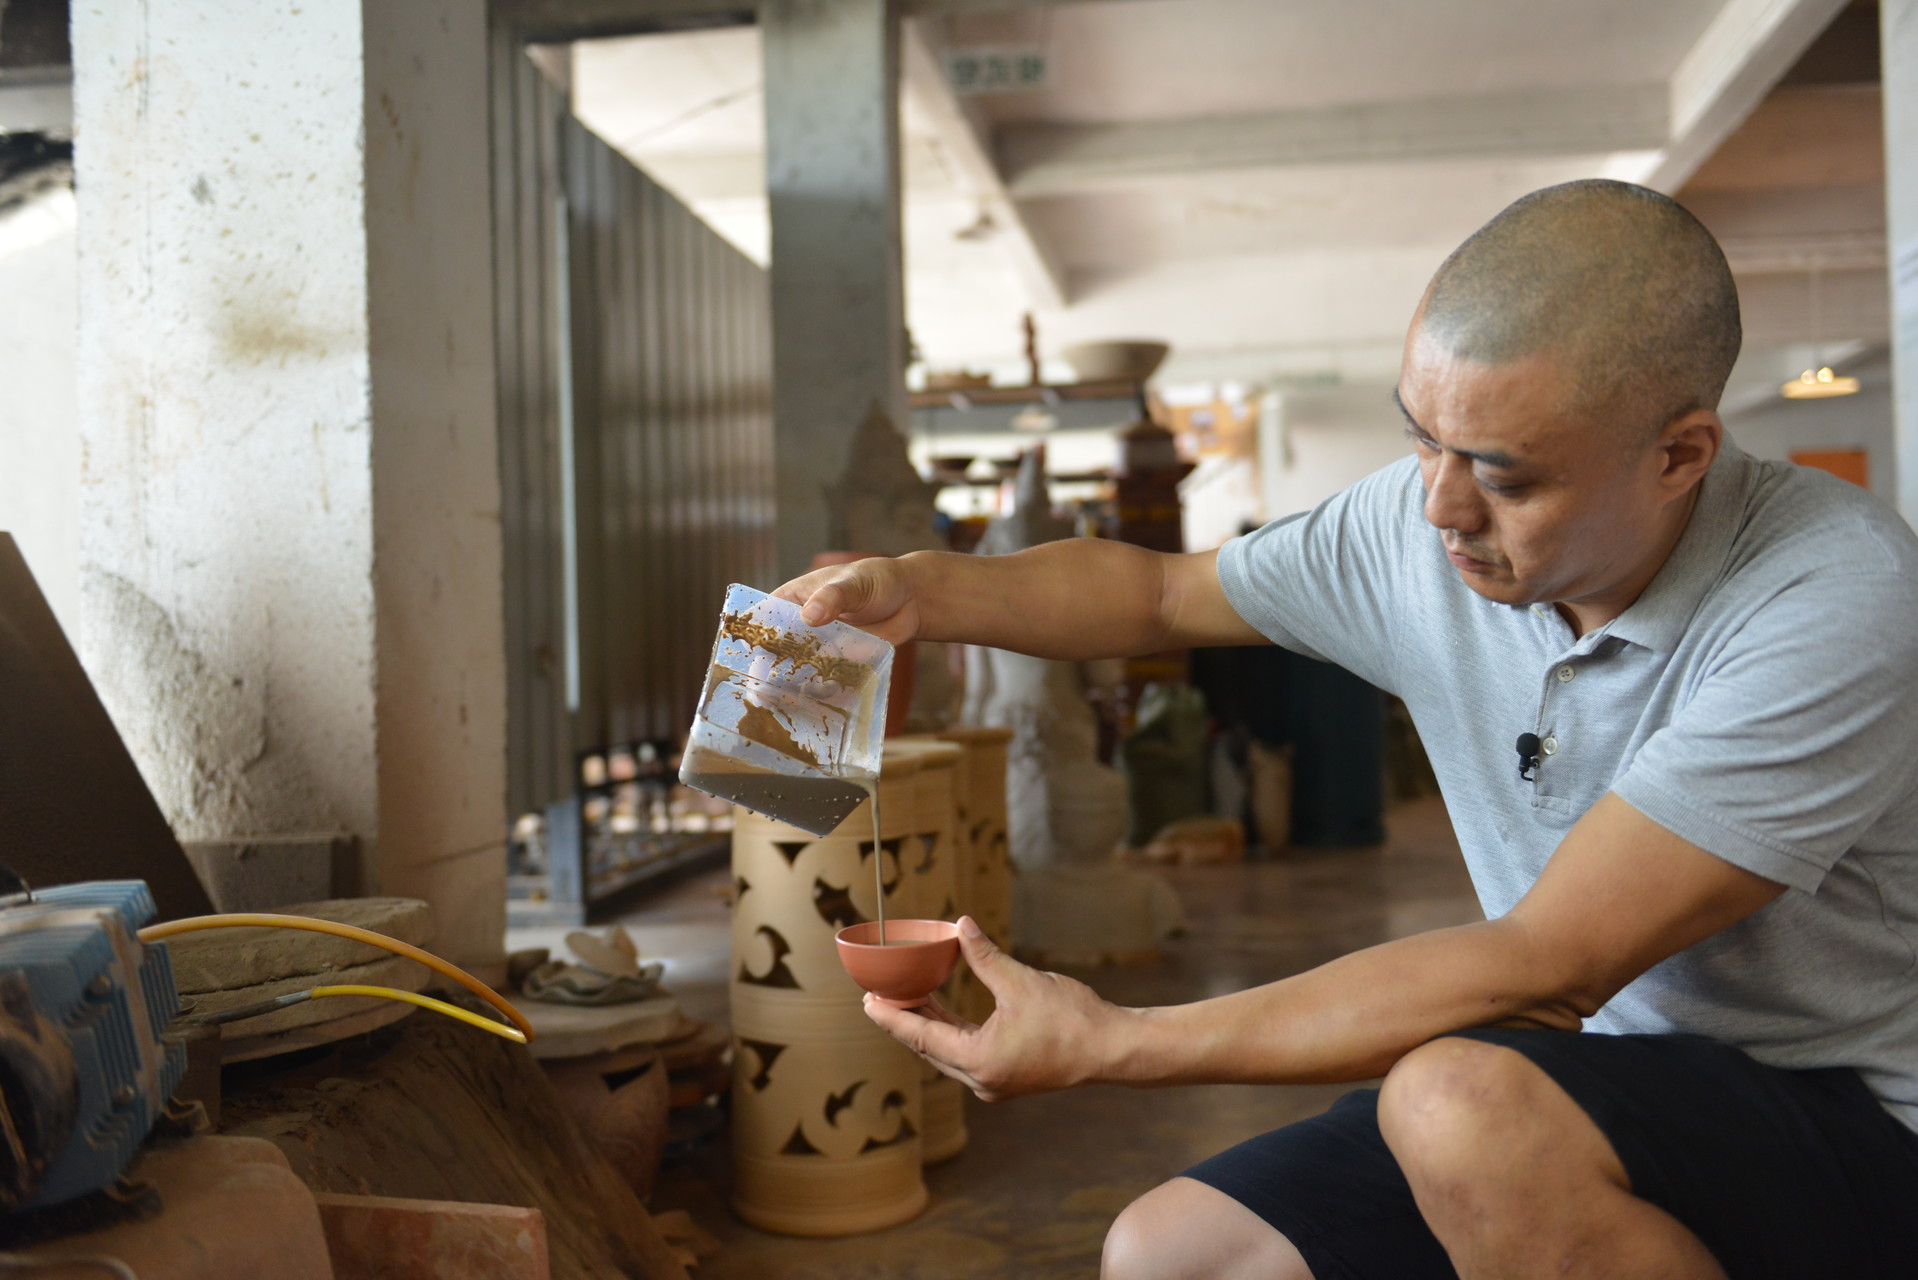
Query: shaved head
[1619, 286]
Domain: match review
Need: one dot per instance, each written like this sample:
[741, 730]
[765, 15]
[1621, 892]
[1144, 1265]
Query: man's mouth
[1461, 556]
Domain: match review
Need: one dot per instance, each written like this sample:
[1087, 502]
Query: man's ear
[1690, 444]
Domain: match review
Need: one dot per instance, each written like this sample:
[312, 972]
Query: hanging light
[1820, 383]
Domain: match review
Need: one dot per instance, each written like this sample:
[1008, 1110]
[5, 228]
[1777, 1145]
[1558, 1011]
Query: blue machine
[84, 1070]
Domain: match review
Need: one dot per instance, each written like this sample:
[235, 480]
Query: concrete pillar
[290, 545]
[838, 297]
[1900, 45]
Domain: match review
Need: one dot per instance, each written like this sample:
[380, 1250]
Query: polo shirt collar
[1658, 618]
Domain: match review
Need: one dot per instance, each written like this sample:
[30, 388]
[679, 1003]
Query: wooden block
[387, 1238]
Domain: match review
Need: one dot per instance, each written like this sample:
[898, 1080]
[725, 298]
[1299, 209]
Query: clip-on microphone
[1527, 756]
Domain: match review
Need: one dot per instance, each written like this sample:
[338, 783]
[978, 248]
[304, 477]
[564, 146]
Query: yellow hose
[424, 1002]
[265, 920]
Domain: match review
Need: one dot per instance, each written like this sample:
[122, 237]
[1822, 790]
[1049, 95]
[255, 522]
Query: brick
[387, 1238]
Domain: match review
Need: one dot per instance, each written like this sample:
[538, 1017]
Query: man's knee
[1459, 1109]
[1184, 1228]
[1448, 1092]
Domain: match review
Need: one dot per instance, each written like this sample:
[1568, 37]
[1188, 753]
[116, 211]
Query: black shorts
[1786, 1174]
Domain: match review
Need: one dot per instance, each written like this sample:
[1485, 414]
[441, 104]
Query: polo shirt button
[1565, 674]
[1549, 746]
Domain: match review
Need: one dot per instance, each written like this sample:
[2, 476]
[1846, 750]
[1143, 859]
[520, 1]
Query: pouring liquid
[878, 856]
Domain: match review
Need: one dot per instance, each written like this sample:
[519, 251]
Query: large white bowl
[1115, 361]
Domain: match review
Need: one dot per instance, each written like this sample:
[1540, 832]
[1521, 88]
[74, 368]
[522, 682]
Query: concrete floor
[1034, 1192]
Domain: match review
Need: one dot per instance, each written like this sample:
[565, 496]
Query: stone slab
[231, 1209]
[394, 971]
[574, 1031]
[389, 1238]
[223, 959]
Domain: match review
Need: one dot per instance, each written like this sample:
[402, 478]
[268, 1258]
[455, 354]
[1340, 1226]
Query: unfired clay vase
[620, 1100]
[933, 888]
[827, 1108]
[984, 876]
[904, 970]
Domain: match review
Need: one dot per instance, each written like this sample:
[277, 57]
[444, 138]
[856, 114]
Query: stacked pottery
[985, 868]
[932, 893]
[827, 1109]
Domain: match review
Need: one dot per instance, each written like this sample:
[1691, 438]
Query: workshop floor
[1034, 1192]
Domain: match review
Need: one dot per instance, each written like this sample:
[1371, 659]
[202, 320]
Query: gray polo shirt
[1760, 700]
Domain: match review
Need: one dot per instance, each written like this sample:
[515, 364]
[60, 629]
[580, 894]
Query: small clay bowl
[917, 957]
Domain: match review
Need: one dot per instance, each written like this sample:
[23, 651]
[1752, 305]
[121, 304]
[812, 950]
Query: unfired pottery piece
[917, 956]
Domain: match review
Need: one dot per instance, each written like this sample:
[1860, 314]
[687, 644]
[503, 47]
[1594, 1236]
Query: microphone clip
[1528, 747]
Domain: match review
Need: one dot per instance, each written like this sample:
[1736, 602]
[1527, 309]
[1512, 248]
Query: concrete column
[1900, 45]
[838, 298]
[290, 544]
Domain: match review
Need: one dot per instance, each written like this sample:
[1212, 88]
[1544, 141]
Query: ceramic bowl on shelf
[1115, 361]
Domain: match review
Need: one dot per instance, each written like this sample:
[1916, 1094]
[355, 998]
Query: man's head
[1562, 377]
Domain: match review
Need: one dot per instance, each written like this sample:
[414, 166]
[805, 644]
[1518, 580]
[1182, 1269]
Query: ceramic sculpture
[827, 1108]
[881, 505]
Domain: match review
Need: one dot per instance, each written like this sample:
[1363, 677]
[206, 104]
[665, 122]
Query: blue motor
[84, 1072]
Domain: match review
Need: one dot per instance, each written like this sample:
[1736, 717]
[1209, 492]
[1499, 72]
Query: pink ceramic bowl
[917, 957]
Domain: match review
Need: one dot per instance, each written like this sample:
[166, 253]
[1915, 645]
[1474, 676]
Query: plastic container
[792, 718]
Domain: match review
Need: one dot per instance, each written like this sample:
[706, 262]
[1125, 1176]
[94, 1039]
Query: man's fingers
[939, 1013]
[941, 1042]
[994, 967]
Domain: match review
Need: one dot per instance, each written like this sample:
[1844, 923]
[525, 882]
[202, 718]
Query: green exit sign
[996, 70]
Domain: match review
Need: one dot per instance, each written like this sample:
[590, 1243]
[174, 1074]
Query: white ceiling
[1269, 185]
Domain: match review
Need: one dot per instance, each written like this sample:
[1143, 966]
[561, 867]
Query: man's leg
[1514, 1178]
[1185, 1230]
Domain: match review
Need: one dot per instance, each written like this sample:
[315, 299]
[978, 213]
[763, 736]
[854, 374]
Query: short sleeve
[1800, 735]
[1329, 582]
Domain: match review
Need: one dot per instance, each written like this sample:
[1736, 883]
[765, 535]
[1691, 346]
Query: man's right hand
[875, 594]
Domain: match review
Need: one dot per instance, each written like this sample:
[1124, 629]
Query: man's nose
[1452, 499]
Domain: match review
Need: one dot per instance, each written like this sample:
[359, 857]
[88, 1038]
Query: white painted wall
[290, 539]
[1899, 24]
[1328, 440]
[39, 432]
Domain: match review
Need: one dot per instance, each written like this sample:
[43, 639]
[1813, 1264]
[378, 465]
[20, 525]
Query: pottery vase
[933, 893]
[827, 1108]
[984, 876]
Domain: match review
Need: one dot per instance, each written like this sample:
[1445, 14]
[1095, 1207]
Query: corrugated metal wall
[668, 390]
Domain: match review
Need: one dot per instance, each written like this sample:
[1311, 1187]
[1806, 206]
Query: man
[1712, 857]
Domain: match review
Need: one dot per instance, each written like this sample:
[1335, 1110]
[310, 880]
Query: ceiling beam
[1045, 160]
[962, 136]
[1744, 51]
[554, 21]
[558, 21]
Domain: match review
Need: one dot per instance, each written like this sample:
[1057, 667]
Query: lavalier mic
[1527, 755]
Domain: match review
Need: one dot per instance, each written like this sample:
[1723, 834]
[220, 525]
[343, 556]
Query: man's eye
[1493, 486]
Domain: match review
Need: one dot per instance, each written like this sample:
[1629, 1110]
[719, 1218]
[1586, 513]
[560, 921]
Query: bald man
[1684, 1043]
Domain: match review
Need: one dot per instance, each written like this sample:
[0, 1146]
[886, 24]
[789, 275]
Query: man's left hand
[1048, 1031]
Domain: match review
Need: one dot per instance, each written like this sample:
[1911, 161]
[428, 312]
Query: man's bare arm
[1076, 599]
[1620, 894]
